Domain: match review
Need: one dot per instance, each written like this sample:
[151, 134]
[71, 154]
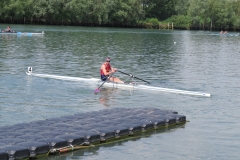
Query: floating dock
[67, 133]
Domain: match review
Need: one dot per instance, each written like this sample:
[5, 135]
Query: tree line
[184, 14]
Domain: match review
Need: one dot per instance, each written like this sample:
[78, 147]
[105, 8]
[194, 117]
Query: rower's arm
[113, 69]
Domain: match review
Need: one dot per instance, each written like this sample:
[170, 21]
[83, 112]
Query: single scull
[119, 85]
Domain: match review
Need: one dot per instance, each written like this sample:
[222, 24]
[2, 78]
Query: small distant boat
[21, 33]
[227, 34]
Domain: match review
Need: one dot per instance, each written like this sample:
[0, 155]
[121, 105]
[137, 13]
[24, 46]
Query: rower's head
[108, 59]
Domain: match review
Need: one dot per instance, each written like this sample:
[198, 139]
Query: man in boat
[8, 29]
[106, 70]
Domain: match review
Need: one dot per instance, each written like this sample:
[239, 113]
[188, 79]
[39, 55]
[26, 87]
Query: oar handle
[133, 76]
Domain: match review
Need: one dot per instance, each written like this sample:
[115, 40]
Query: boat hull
[21, 33]
[120, 85]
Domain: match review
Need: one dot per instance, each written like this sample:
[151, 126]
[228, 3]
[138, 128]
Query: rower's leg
[117, 80]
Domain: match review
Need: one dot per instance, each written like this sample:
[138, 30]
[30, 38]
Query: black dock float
[67, 133]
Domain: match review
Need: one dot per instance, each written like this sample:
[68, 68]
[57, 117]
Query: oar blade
[97, 90]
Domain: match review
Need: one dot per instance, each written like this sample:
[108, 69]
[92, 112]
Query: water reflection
[107, 95]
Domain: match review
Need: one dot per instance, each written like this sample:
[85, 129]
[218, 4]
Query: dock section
[81, 130]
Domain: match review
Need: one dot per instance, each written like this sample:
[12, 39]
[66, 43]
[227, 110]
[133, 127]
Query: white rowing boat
[119, 85]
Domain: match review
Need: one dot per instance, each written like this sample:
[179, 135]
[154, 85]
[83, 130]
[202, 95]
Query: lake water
[199, 61]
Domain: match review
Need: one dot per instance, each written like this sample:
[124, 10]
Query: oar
[133, 76]
[98, 89]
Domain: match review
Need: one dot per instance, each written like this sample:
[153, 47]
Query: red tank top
[107, 67]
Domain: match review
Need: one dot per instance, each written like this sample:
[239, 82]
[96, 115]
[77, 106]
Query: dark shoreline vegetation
[154, 14]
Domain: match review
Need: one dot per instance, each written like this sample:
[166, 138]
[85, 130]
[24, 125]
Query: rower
[107, 70]
[8, 29]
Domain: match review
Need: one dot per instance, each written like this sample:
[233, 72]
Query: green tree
[221, 14]
[199, 13]
[16, 9]
[181, 7]
[159, 9]
[236, 10]
[126, 12]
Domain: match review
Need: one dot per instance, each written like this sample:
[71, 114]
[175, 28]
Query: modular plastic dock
[67, 133]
